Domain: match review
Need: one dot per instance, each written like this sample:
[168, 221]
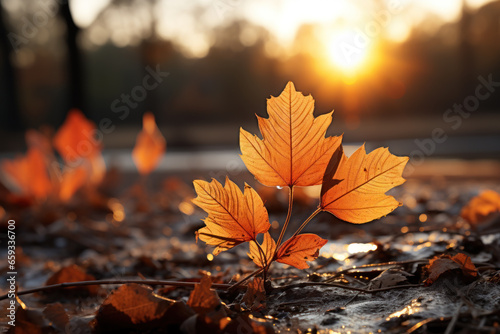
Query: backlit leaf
[356, 191]
[149, 147]
[76, 138]
[29, 174]
[294, 150]
[262, 255]
[72, 179]
[299, 249]
[481, 207]
[233, 217]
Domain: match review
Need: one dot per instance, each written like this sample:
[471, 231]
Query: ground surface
[134, 229]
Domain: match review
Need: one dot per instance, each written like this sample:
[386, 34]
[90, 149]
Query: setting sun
[344, 54]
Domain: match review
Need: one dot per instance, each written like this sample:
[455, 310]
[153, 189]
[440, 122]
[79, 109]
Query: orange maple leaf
[262, 254]
[295, 251]
[354, 189]
[75, 139]
[440, 265]
[72, 179]
[481, 207]
[233, 217]
[299, 249]
[29, 174]
[294, 150]
[150, 145]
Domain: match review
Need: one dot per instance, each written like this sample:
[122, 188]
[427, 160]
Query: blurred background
[394, 71]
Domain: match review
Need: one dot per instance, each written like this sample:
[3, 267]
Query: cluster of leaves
[295, 153]
[38, 176]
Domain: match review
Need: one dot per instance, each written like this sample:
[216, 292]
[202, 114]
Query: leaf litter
[430, 266]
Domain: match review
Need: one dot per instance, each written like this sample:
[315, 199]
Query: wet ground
[368, 278]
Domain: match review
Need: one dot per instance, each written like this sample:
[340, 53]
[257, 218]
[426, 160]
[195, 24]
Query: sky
[191, 24]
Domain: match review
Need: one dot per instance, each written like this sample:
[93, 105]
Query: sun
[347, 50]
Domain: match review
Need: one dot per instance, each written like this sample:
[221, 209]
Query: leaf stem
[318, 210]
[256, 272]
[287, 220]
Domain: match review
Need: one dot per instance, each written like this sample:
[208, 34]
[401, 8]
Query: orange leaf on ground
[356, 191]
[203, 299]
[233, 217]
[71, 180]
[76, 139]
[136, 308]
[481, 207]
[299, 249]
[29, 174]
[150, 145]
[444, 264]
[73, 273]
[294, 150]
[262, 255]
[255, 296]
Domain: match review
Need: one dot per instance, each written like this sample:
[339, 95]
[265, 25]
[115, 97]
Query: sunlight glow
[343, 53]
[84, 12]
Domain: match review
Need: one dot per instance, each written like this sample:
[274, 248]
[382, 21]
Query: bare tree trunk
[466, 52]
[11, 103]
[74, 61]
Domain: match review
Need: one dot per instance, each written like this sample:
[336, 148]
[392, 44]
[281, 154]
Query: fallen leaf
[388, 278]
[149, 147]
[57, 316]
[29, 174]
[481, 207]
[135, 308]
[262, 254]
[73, 273]
[203, 299]
[246, 323]
[255, 296]
[444, 264]
[294, 150]
[357, 192]
[233, 217]
[72, 179]
[76, 139]
[299, 249]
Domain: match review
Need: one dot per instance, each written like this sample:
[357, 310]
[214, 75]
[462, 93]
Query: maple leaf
[355, 188]
[444, 264]
[481, 207]
[75, 139]
[149, 147]
[72, 179]
[233, 217]
[294, 150]
[262, 254]
[299, 249]
[29, 174]
[203, 299]
[255, 296]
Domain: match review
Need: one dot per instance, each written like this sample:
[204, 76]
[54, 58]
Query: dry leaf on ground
[444, 264]
[481, 207]
[149, 147]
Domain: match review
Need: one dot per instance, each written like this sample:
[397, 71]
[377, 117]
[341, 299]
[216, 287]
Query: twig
[106, 282]
[453, 321]
[334, 285]
[237, 284]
